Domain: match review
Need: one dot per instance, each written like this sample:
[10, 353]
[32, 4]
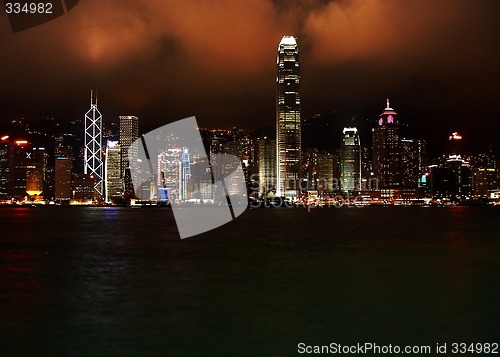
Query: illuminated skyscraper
[174, 174]
[129, 132]
[266, 163]
[386, 149]
[350, 160]
[288, 130]
[21, 159]
[93, 164]
[112, 170]
[201, 179]
[223, 168]
[325, 169]
[35, 172]
[186, 172]
[308, 172]
[485, 177]
[414, 162]
[453, 178]
[246, 153]
[5, 152]
[63, 189]
[62, 174]
[170, 173]
[82, 188]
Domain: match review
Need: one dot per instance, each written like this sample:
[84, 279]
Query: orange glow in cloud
[219, 35]
[358, 29]
[240, 36]
[116, 33]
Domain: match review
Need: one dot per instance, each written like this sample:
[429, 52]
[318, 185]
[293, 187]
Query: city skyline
[437, 61]
[399, 165]
[397, 169]
[335, 165]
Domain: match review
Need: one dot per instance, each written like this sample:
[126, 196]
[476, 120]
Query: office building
[485, 177]
[20, 160]
[201, 179]
[63, 179]
[93, 164]
[452, 178]
[288, 122]
[266, 164]
[112, 171]
[129, 132]
[325, 169]
[84, 188]
[5, 152]
[170, 174]
[414, 162]
[35, 172]
[186, 173]
[350, 161]
[386, 153]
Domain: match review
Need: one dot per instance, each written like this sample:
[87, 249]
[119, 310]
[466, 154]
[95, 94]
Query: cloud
[342, 31]
[228, 35]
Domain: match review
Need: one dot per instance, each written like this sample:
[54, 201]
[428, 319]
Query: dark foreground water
[119, 281]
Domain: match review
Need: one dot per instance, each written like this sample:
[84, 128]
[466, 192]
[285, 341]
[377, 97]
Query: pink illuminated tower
[386, 149]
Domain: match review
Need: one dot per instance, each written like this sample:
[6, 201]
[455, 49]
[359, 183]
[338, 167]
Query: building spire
[388, 106]
[92, 98]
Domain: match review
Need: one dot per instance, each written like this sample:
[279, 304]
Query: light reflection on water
[120, 281]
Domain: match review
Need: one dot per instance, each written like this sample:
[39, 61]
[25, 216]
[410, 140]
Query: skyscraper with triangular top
[93, 164]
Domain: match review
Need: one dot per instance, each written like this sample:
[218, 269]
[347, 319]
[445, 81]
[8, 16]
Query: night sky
[437, 60]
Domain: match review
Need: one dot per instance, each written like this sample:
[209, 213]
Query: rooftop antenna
[92, 98]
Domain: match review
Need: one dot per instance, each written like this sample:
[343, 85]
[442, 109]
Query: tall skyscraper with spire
[93, 164]
[387, 149]
[288, 130]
